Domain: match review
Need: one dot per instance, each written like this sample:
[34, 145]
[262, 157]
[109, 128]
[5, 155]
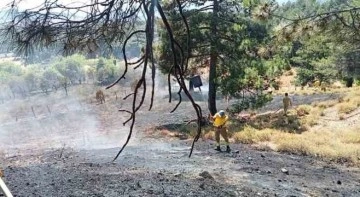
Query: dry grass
[165, 133]
[345, 104]
[310, 120]
[338, 146]
[341, 117]
[313, 116]
[322, 112]
[356, 101]
[251, 135]
[190, 130]
[350, 102]
[278, 121]
[350, 137]
[346, 108]
[209, 135]
[331, 145]
[289, 73]
[296, 133]
[290, 143]
[327, 104]
[159, 133]
[302, 110]
[342, 145]
[313, 90]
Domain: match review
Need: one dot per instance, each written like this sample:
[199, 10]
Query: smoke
[76, 121]
[54, 121]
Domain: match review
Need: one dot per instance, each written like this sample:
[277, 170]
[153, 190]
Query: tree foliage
[61, 72]
[322, 33]
[315, 60]
[106, 71]
[241, 46]
[71, 68]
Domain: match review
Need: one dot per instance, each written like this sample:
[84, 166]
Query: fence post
[48, 109]
[32, 109]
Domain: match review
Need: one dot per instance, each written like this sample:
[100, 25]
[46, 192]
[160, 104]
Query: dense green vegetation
[324, 42]
[249, 44]
[60, 73]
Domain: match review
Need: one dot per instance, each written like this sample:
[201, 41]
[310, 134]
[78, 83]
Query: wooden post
[5, 189]
[32, 109]
[62, 151]
[48, 109]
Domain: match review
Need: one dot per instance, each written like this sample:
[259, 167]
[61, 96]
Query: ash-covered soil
[74, 158]
[157, 168]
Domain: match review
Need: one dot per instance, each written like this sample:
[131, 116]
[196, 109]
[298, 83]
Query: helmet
[222, 113]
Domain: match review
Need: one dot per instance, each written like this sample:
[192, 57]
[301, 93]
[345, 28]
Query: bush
[106, 71]
[311, 119]
[346, 108]
[357, 82]
[210, 135]
[289, 73]
[71, 68]
[303, 110]
[276, 85]
[349, 81]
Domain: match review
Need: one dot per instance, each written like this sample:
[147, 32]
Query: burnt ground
[164, 169]
[75, 159]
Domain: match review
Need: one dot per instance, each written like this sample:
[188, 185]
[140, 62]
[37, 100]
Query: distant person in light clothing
[287, 103]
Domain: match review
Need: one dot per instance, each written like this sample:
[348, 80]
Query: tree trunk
[213, 61]
[212, 85]
[349, 82]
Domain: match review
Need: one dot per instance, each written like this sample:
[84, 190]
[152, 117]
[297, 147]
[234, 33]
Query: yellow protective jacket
[219, 121]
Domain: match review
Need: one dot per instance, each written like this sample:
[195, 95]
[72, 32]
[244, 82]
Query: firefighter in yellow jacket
[220, 120]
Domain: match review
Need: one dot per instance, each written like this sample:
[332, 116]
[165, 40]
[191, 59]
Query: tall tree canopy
[327, 28]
